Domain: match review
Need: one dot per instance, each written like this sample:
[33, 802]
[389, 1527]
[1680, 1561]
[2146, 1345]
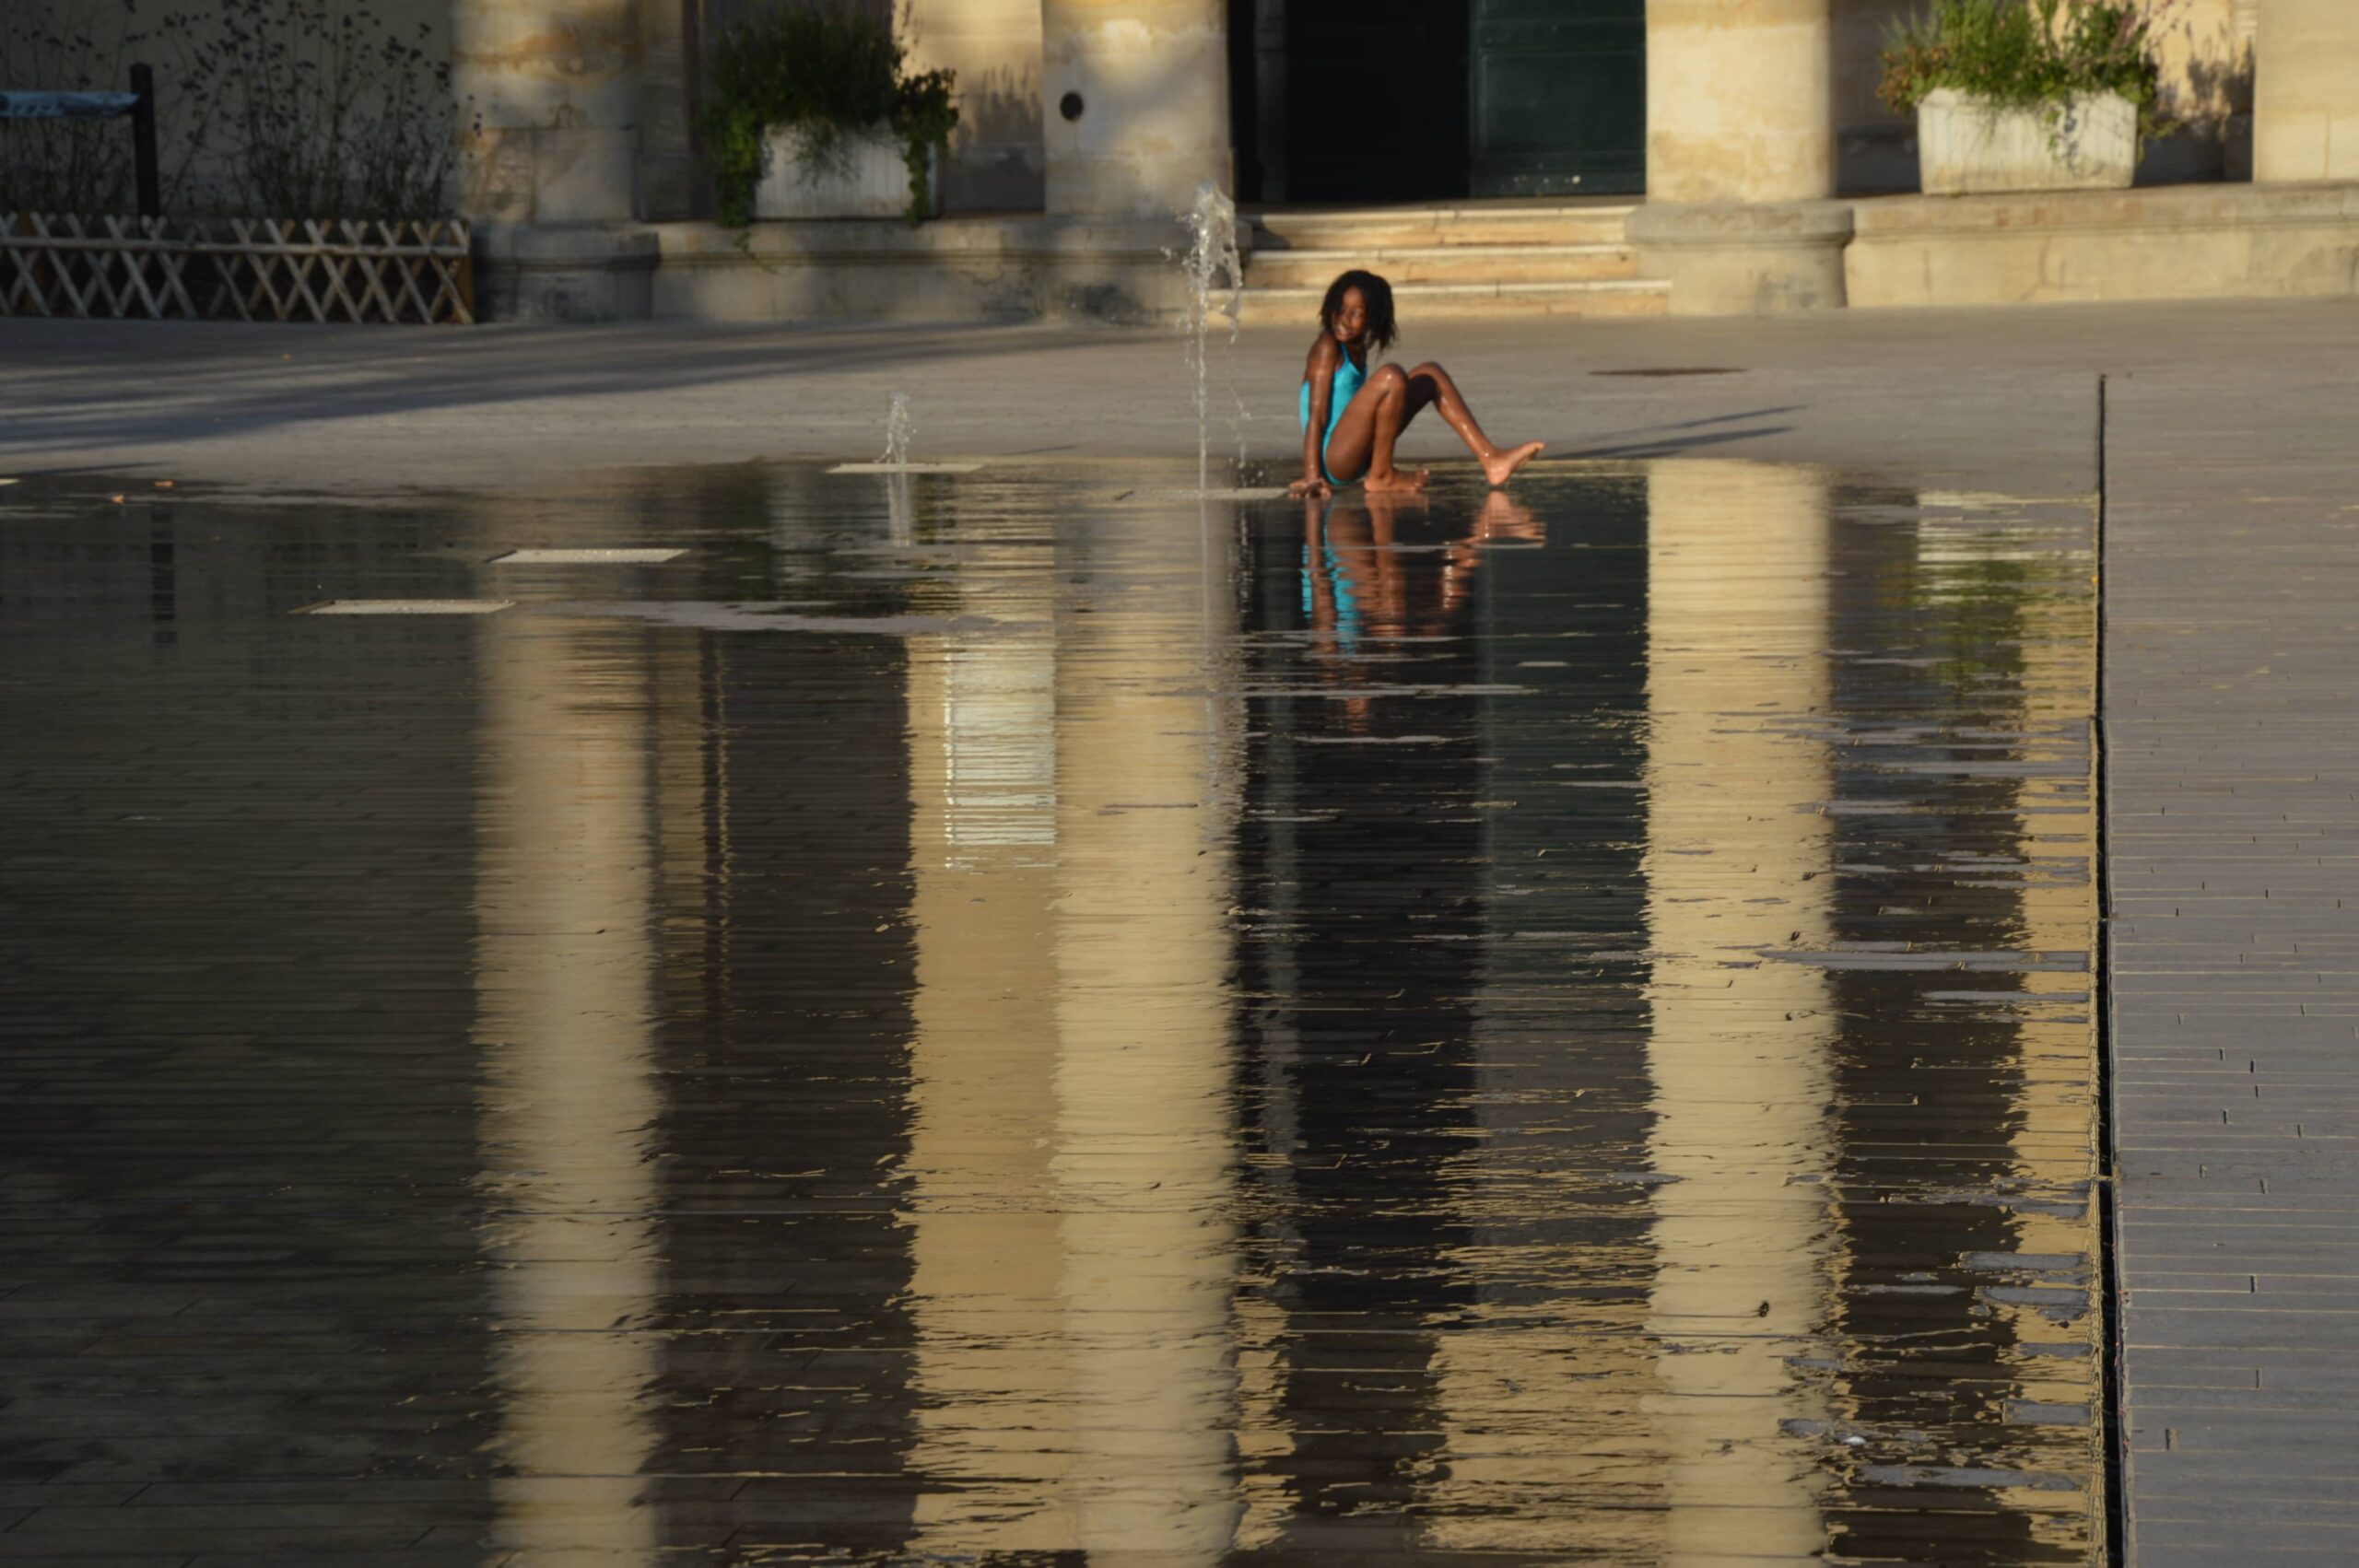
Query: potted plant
[810, 115]
[2025, 95]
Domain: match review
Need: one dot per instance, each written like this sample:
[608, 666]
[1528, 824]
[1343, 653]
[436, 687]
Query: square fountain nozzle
[591, 556]
[406, 607]
[1241, 493]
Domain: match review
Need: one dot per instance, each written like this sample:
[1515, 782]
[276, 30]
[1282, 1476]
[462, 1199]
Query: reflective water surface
[1009, 1018]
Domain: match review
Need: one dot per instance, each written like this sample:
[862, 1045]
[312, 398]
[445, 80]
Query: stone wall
[173, 29]
[2306, 108]
[995, 162]
[2207, 85]
[1875, 150]
[2215, 240]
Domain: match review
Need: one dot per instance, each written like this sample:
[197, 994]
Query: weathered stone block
[1744, 258]
[2175, 242]
[565, 274]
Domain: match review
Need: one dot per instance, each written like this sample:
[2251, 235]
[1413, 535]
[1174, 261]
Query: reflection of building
[565, 979]
[1072, 1150]
[1117, 1071]
[1978, 1293]
[1738, 852]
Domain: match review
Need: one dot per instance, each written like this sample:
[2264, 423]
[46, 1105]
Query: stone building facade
[1747, 127]
[1742, 135]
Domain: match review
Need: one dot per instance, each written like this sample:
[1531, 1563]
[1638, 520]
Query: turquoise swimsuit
[1348, 378]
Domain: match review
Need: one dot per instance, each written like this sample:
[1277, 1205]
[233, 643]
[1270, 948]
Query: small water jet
[899, 430]
[1211, 257]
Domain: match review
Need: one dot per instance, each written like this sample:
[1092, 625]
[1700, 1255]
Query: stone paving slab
[1986, 400]
[2234, 799]
[2231, 650]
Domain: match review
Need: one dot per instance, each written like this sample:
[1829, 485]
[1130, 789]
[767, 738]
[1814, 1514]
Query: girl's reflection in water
[1381, 569]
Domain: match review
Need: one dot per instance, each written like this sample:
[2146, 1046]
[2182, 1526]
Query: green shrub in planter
[831, 72]
[2030, 54]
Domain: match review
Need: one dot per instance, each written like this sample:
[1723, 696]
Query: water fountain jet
[899, 430]
[1211, 258]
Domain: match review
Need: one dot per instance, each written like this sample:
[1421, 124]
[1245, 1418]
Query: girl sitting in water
[1352, 414]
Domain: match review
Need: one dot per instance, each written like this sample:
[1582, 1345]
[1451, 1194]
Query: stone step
[1418, 302]
[1445, 264]
[1338, 228]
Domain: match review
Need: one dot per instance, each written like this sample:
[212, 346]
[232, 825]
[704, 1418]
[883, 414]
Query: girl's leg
[1429, 383]
[1372, 422]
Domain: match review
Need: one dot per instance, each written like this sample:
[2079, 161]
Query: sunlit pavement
[1016, 1017]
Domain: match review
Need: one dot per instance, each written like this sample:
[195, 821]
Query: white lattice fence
[249, 269]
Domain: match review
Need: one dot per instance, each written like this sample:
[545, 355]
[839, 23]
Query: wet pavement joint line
[2117, 1510]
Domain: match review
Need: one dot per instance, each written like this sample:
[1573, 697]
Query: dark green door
[1558, 98]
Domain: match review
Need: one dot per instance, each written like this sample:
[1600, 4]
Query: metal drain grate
[406, 607]
[905, 468]
[596, 556]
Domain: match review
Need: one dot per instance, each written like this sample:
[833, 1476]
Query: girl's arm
[1320, 374]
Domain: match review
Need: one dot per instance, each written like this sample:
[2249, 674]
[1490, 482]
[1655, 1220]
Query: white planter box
[1966, 146]
[865, 177]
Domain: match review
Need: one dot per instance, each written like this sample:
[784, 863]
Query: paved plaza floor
[1027, 1016]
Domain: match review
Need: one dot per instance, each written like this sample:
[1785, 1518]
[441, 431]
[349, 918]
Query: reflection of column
[1541, 1379]
[1072, 1156]
[1735, 780]
[1144, 1156]
[563, 1018]
[994, 1435]
[2056, 1140]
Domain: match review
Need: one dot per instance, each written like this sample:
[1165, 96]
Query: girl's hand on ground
[1309, 490]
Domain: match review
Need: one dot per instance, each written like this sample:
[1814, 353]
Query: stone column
[2305, 91]
[1134, 104]
[1741, 157]
[548, 104]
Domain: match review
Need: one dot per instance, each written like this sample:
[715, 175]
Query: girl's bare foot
[1500, 465]
[1396, 483]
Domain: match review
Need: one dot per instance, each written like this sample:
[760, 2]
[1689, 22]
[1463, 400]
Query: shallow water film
[1021, 1017]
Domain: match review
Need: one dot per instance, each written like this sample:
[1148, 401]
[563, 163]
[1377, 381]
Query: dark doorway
[1411, 100]
[1354, 101]
[1559, 98]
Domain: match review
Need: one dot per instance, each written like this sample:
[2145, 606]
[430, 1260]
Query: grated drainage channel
[905, 468]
